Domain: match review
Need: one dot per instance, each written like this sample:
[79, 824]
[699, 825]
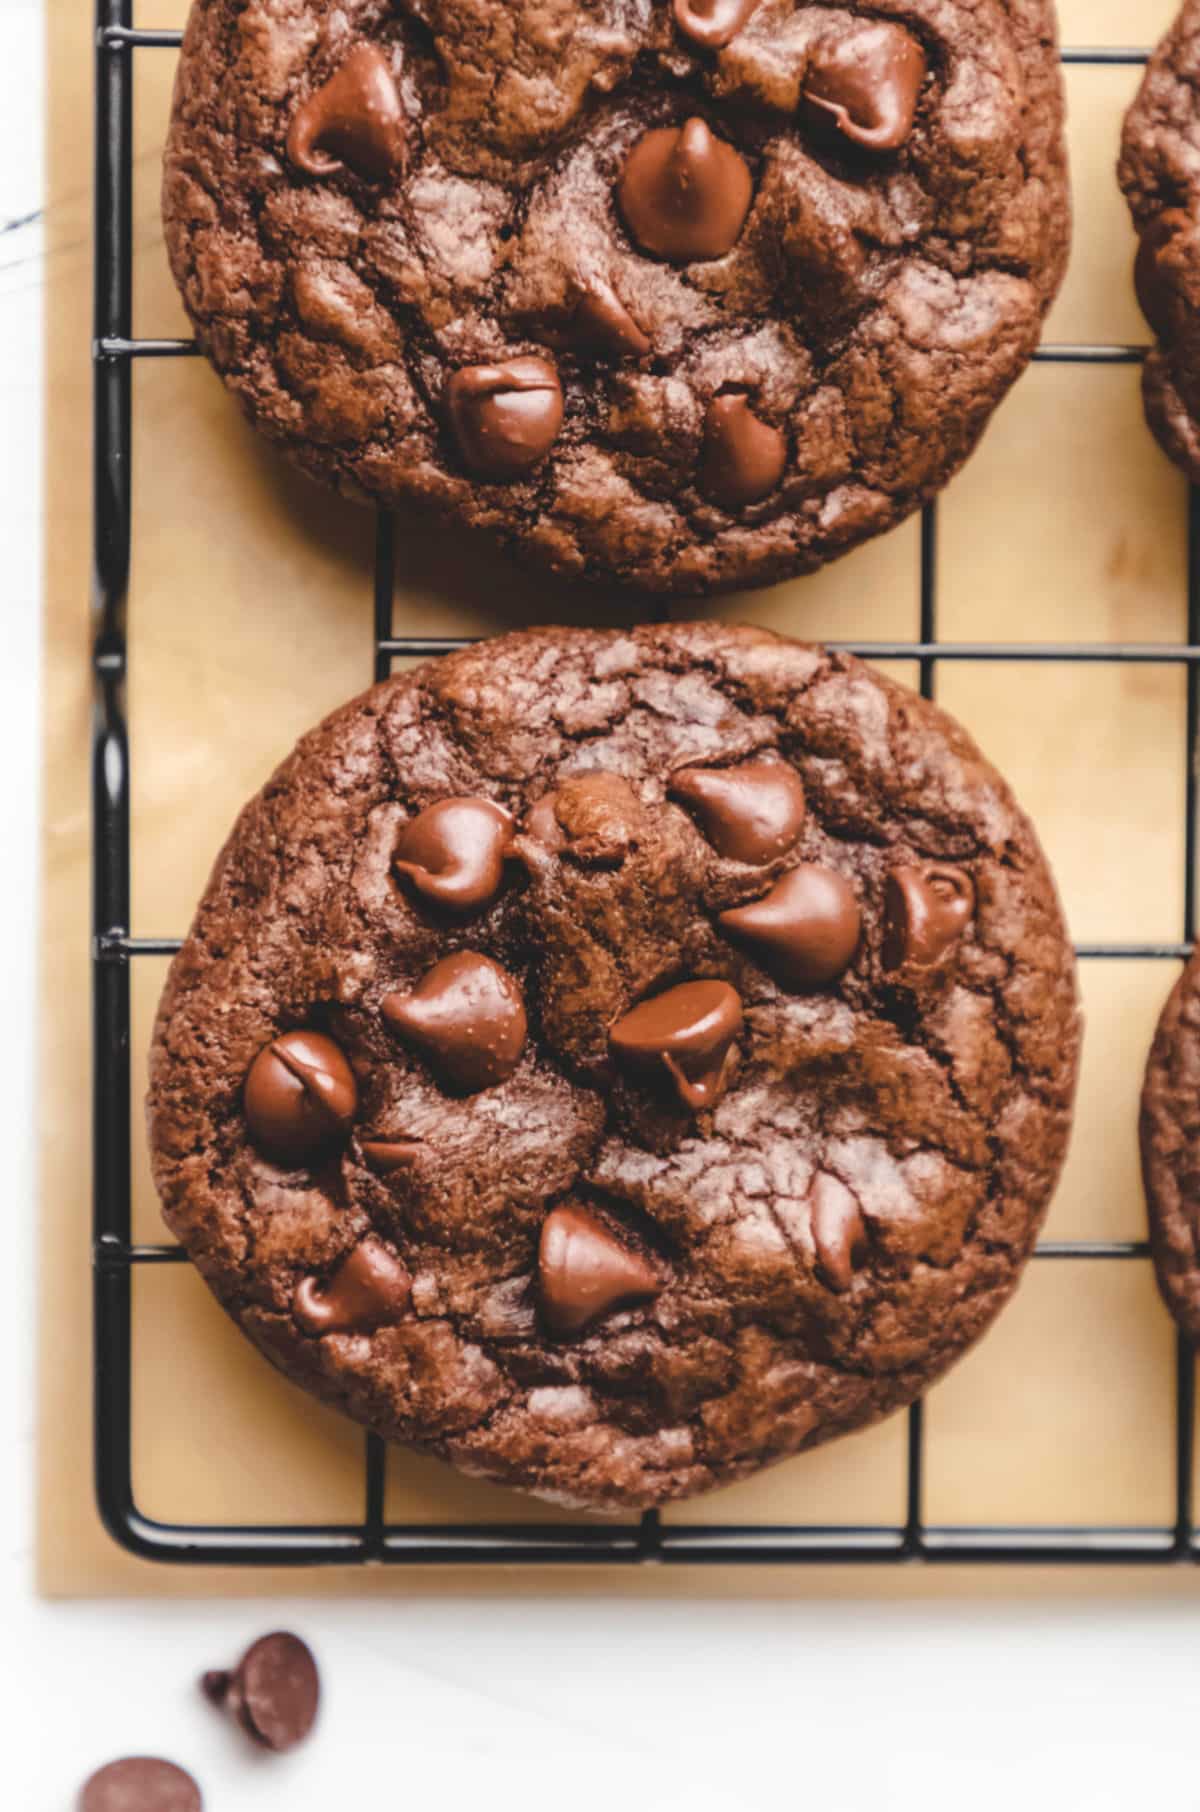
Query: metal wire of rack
[115, 1258]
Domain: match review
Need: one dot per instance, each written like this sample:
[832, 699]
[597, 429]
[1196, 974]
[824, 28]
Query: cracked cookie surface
[615, 1061]
[688, 295]
[1160, 174]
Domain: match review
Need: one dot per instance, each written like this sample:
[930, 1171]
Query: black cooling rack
[115, 1258]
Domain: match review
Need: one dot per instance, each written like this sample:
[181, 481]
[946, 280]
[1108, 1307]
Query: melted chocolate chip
[1155, 290]
[712, 23]
[838, 1232]
[592, 818]
[805, 930]
[384, 1156]
[300, 1096]
[541, 823]
[369, 1289]
[140, 1783]
[751, 813]
[864, 84]
[925, 911]
[689, 1031]
[505, 417]
[467, 1017]
[355, 121]
[743, 458]
[453, 852]
[603, 324]
[584, 1272]
[273, 1692]
[685, 193]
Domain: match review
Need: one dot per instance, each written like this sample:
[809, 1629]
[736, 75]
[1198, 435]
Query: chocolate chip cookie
[613, 1062]
[1170, 1137]
[1160, 176]
[685, 293]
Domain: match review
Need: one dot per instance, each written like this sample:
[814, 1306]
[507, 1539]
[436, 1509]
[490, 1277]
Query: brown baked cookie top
[1160, 174]
[1170, 1137]
[689, 295]
[615, 1061]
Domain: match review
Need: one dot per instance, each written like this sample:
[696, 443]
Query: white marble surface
[455, 1703]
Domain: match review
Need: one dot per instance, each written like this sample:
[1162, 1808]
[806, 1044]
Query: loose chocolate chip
[467, 1017]
[712, 23]
[864, 84]
[585, 1273]
[505, 417]
[838, 1232]
[300, 1095]
[354, 121]
[273, 1692]
[751, 813]
[1151, 279]
[592, 818]
[603, 324]
[685, 193]
[369, 1289]
[453, 852]
[689, 1031]
[386, 1155]
[743, 458]
[805, 930]
[140, 1783]
[926, 910]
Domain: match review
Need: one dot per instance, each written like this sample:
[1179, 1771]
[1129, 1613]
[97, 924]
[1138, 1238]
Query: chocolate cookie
[1170, 1137]
[1160, 174]
[615, 1061]
[690, 295]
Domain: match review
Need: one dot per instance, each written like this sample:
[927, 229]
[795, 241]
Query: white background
[454, 1703]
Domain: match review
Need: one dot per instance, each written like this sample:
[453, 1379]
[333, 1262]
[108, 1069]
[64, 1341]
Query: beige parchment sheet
[250, 617]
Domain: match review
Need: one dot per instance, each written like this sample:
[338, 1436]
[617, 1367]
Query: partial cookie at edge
[1170, 1144]
[1159, 173]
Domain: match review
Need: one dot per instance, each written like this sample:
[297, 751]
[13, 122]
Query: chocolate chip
[592, 818]
[712, 23]
[300, 1096]
[140, 1783]
[368, 1290]
[584, 1272]
[926, 910]
[751, 813]
[864, 84]
[838, 1232]
[387, 1155]
[505, 417]
[602, 323]
[689, 1031]
[805, 931]
[273, 1692]
[684, 193]
[467, 1017]
[743, 458]
[354, 121]
[541, 823]
[453, 852]
[1151, 276]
